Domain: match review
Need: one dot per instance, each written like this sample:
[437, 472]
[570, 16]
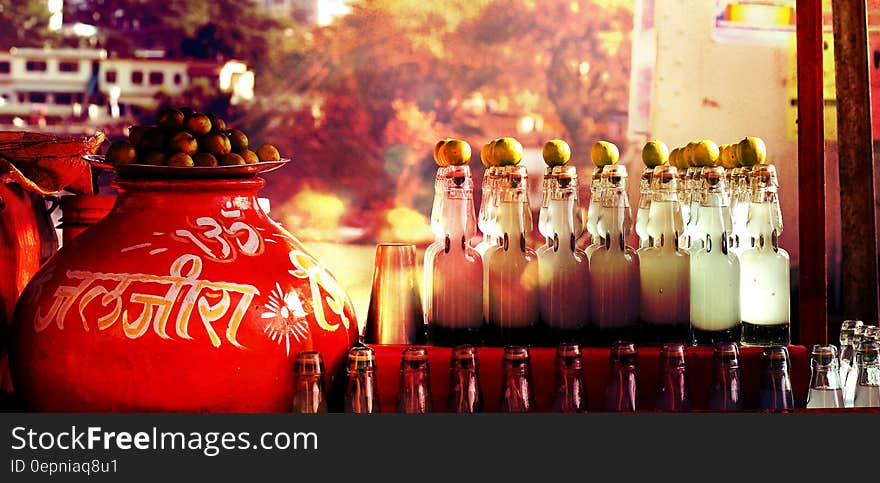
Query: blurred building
[303, 11]
[52, 86]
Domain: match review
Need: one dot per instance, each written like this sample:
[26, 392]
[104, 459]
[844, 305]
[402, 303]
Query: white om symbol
[245, 237]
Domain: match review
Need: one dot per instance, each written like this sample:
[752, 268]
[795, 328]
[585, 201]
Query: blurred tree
[203, 29]
[374, 90]
[23, 23]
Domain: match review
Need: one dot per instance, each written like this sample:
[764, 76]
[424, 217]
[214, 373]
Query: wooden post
[811, 175]
[858, 195]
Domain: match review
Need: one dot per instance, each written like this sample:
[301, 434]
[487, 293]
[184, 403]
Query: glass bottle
[517, 393]
[714, 269]
[570, 395]
[726, 392]
[308, 396]
[664, 268]
[414, 391]
[512, 281]
[764, 269]
[692, 238]
[487, 220]
[739, 208]
[867, 391]
[621, 393]
[644, 207]
[563, 268]
[465, 394]
[848, 373]
[825, 389]
[362, 393]
[776, 388]
[614, 267]
[593, 209]
[673, 390]
[453, 268]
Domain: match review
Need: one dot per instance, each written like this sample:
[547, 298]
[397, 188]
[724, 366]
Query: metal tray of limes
[149, 170]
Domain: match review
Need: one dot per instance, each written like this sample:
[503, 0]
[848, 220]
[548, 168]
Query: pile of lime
[185, 137]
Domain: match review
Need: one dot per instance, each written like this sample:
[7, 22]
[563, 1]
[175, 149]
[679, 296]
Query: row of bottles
[852, 378]
[518, 393]
[693, 278]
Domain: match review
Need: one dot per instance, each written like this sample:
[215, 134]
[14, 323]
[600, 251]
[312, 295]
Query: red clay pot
[186, 297]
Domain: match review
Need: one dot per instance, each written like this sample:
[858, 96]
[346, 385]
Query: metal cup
[395, 315]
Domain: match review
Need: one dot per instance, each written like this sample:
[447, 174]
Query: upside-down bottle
[764, 268]
[714, 269]
[414, 390]
[726, 392]
[362, 393]
[453, 268]
[673, 390]
[563, 268]
[465, 394]
[512, 267]
[614, 267]
[776, 392]
[825, 388]
[308, 397]
[867, 391]
[570, 395]
[517, 393]
[664, 268]
[621, 393]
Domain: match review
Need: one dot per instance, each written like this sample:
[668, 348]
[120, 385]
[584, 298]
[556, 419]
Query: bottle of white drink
[705, 156]
[715, 270]
[745, 155]
[664, 268]
[454, 300]
[564, 270]
[614, 268]
[603, 153]
[654, 153]
[764, 268]
[512, 267]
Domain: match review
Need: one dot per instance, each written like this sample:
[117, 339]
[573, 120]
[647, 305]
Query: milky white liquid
[715, 277]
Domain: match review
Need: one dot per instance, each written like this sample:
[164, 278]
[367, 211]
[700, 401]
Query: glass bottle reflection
[621, 393]
[308, 397]
[726, 392]
[517, 393]
[825, 390]
[570, 394]
[465, 394]
[673, 390]
[414, 390]
[776, 392]
[362, 393]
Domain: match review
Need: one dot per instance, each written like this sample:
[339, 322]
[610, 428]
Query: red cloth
[699, 375]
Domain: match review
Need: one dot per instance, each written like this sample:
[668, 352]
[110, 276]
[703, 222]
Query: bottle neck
[761, 224]
[415, 393]
[824, 377]
[456, 203]
[309, 394]
[361, 396]
[615, 220]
